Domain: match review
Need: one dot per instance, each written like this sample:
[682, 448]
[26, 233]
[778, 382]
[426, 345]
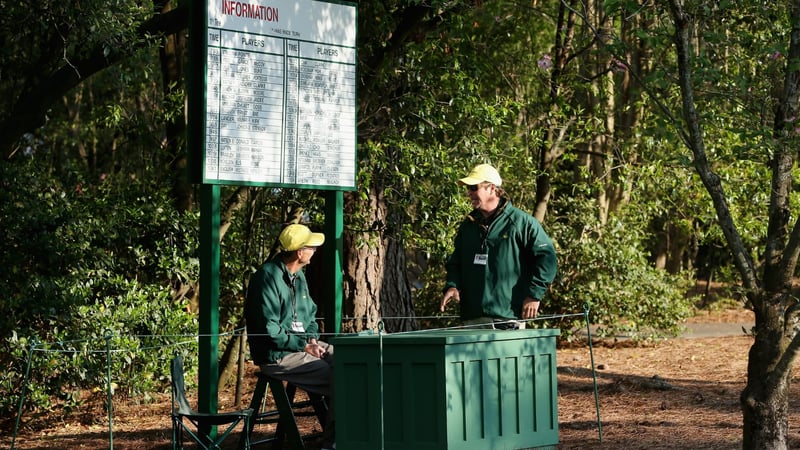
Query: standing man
[281, 320]
[503, 261]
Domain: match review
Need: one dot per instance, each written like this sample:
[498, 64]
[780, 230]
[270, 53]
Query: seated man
[281, 320]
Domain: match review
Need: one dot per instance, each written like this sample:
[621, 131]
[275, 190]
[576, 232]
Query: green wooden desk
[452, 389]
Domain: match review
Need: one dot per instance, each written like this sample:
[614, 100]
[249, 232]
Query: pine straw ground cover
[676, 394]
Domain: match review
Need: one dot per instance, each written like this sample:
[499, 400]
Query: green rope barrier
[22, 394]
[381, 331]
[594, 372]
[108, 335]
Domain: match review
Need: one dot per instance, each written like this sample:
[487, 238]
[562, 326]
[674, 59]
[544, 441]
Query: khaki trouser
[490, 323]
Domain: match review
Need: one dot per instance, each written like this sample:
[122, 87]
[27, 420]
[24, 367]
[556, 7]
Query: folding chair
[182, 412]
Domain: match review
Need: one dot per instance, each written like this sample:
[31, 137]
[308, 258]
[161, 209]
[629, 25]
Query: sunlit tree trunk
[375, 282]
[396, 304]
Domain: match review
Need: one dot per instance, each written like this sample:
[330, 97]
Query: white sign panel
[281, 93]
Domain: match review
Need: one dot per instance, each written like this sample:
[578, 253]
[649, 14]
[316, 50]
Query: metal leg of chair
[176, 431]
[246, 432]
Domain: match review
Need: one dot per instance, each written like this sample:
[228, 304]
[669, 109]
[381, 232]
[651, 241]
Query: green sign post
[272, 102]
[209, 298]
[334, 227]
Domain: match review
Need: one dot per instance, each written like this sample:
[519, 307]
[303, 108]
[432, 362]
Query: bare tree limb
[32, 104]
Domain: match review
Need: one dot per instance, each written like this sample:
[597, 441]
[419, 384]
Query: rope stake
[108, 335]
[22, 394]
[594, 372]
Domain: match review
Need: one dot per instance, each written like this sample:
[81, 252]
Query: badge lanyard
[297, 326]
[483, 257]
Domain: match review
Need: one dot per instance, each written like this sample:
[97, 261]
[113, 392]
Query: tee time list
[281, 93]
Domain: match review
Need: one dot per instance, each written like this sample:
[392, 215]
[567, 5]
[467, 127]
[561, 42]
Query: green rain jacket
[275, 299]
[520, 262]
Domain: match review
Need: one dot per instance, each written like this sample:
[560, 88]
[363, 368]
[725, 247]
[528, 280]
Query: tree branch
[785, 363]
[742, 259]
[31, 107]
[413, 21]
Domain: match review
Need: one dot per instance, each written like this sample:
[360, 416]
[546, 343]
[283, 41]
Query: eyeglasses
[473, 187]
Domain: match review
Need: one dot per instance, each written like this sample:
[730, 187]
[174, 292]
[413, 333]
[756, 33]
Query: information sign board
[280, 94]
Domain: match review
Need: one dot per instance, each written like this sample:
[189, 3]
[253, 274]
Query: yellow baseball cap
[296, 236]
[482, 173]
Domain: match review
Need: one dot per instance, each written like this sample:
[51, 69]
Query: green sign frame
[278, 94]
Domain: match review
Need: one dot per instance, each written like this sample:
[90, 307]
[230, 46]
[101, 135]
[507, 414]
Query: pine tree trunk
[396, 307]
[375, 280]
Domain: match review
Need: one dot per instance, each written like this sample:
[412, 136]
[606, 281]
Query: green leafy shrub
[607, 270]
[85, 268]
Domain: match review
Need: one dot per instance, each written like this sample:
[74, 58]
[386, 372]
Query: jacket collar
[477, 217]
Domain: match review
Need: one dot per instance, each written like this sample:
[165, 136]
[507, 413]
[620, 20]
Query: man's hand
[451, 293]
[530, 308]
[314, 349]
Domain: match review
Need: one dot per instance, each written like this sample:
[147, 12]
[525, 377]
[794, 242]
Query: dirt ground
[676, 394]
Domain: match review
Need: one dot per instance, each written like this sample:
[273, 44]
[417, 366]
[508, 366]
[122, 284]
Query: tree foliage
[737, 105]
[537, 89]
